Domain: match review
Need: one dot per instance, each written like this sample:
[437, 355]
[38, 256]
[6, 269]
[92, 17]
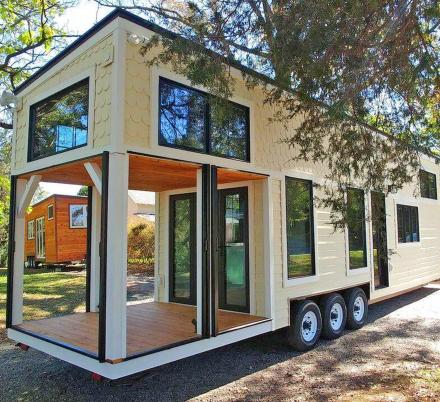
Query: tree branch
[6, 126]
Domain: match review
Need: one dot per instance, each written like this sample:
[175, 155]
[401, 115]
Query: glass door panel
[380, 252]
[183, 249]
[233, 250]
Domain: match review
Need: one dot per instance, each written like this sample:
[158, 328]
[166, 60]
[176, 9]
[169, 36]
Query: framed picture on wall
[78, 216]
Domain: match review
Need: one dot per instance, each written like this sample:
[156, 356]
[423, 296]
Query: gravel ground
[396, 357]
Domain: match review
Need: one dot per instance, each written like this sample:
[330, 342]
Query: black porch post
[103, 259]
[11, 252]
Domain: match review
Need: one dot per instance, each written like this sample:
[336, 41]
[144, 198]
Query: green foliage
[28, 34]
[347, 67]
[83, 191]
[4, 218]
[28, 31]
[141, 243]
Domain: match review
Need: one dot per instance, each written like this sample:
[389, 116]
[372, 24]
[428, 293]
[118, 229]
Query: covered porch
[204, 297]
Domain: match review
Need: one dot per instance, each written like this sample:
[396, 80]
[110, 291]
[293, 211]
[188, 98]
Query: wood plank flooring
[149, 326]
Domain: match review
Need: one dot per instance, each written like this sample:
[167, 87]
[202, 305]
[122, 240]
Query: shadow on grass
[47, 294]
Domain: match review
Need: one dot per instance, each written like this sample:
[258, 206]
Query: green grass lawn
[299, 265]
[357, 259]
[47, 294]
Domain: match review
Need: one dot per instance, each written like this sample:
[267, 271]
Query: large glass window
[428, 185]
[229, 131]
[300, 238]
[60, 122]
[182, 117]
[357, 244]
[407, 224]
[190, 119]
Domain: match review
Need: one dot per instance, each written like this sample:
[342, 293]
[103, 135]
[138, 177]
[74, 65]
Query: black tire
[354, 321]
[299, 329]
[333, 322]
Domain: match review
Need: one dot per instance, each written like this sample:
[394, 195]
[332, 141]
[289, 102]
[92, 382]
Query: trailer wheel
[357, 308]
[334, 315]
[305, 325]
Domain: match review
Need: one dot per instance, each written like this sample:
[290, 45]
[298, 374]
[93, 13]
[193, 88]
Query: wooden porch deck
[149, 326]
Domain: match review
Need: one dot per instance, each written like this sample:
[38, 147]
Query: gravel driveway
[395, 357]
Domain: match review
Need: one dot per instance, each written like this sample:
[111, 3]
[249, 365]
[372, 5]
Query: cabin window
[189, 119]
[428, 185]
[357, 242]
[78, 216]
[60, 122]
[31, 230]
[408, 224]
[50, 212]
[299, 226]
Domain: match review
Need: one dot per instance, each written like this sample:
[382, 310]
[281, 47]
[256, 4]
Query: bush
[141, 248]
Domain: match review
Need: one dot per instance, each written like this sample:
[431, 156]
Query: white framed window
[50, 212]
[40, 243]
[78, 216]
[31, 230]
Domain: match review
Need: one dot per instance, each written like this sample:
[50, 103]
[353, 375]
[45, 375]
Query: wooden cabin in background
[56, 230]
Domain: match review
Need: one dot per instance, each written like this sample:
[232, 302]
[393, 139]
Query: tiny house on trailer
[56, 230]
[233, 256]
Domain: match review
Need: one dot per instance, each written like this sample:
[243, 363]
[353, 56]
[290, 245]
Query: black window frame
[312, 228]
[407, 212]
[431, 191]
[364, 231]
[32, 118]
[207, 146]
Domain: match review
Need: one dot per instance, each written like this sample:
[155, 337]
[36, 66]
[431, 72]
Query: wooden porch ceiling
[145, 173]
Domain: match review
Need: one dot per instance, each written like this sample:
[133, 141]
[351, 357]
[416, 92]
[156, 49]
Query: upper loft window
[60, 122]
[190, 119]
[428, 184]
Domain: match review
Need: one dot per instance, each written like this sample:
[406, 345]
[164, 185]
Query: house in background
[141, 206]
[56, 227]
[56, 230]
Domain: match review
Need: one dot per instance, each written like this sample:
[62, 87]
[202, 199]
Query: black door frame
[192, 300]
[243, 192]
[383, 267]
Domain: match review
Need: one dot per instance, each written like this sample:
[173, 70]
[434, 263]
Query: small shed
[56, 230]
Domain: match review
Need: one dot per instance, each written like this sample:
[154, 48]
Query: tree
[349, 68]
[83, 191]
[29, 33]
[4, 218]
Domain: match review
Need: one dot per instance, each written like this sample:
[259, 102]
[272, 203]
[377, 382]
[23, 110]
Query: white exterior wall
[411, 265]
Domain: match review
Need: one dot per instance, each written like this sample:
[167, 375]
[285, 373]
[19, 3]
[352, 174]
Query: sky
[79, 19]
